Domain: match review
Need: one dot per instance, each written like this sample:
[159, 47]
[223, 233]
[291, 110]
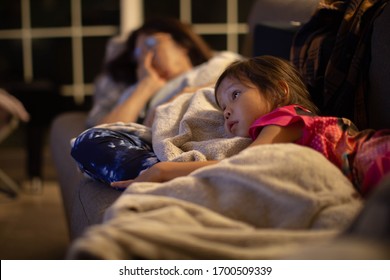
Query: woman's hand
[145, 69]
[161, 57]
[150, 83]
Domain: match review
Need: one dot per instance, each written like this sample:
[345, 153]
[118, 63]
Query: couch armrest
[84, 200]
[63, 128]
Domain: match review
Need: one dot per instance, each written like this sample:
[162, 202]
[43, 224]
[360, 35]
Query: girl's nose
[226, 114]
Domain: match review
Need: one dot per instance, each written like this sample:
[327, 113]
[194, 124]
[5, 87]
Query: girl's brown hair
[123, 68]
[270, 74]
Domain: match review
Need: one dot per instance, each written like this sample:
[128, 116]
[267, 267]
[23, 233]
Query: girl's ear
[285, 89]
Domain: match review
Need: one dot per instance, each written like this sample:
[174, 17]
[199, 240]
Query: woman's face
[169, 60]
[241, 104]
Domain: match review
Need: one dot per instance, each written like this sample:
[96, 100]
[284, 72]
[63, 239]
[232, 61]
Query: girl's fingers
[121, 184]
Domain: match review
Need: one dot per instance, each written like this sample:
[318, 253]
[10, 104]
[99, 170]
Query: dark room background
[63, 41]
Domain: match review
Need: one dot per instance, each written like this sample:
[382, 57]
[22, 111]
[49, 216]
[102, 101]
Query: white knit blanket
[265, 202]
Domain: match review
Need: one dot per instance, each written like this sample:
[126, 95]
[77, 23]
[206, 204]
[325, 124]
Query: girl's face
[241, 104]
[169, 60]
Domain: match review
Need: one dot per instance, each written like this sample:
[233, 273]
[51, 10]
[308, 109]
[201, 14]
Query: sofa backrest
[379, 73]
[273, 23]
[273, 40]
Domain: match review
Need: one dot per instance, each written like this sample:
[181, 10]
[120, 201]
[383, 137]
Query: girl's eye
[235, 94]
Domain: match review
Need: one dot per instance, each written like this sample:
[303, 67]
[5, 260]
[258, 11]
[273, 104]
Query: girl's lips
[231, 125]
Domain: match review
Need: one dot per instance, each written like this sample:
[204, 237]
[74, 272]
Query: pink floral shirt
[336, 138]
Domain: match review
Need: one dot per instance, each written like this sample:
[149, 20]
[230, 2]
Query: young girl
[264, 98]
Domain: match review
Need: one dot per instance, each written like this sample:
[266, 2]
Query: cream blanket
[263, 203]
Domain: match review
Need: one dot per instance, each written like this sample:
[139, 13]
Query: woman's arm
[148, 85]
[165, 171]
[129, 110]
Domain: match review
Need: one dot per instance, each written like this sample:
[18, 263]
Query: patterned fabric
[332, 51]
[362, 156]
[114, 152]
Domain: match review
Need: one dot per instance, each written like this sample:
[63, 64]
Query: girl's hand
[164, 171]
[153, 174]
[121, 184]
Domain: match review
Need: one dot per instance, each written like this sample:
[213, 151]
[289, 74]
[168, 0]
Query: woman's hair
[268, 73]
[124, 67]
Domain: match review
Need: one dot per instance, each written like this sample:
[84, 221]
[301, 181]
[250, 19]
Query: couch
[85, 200]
